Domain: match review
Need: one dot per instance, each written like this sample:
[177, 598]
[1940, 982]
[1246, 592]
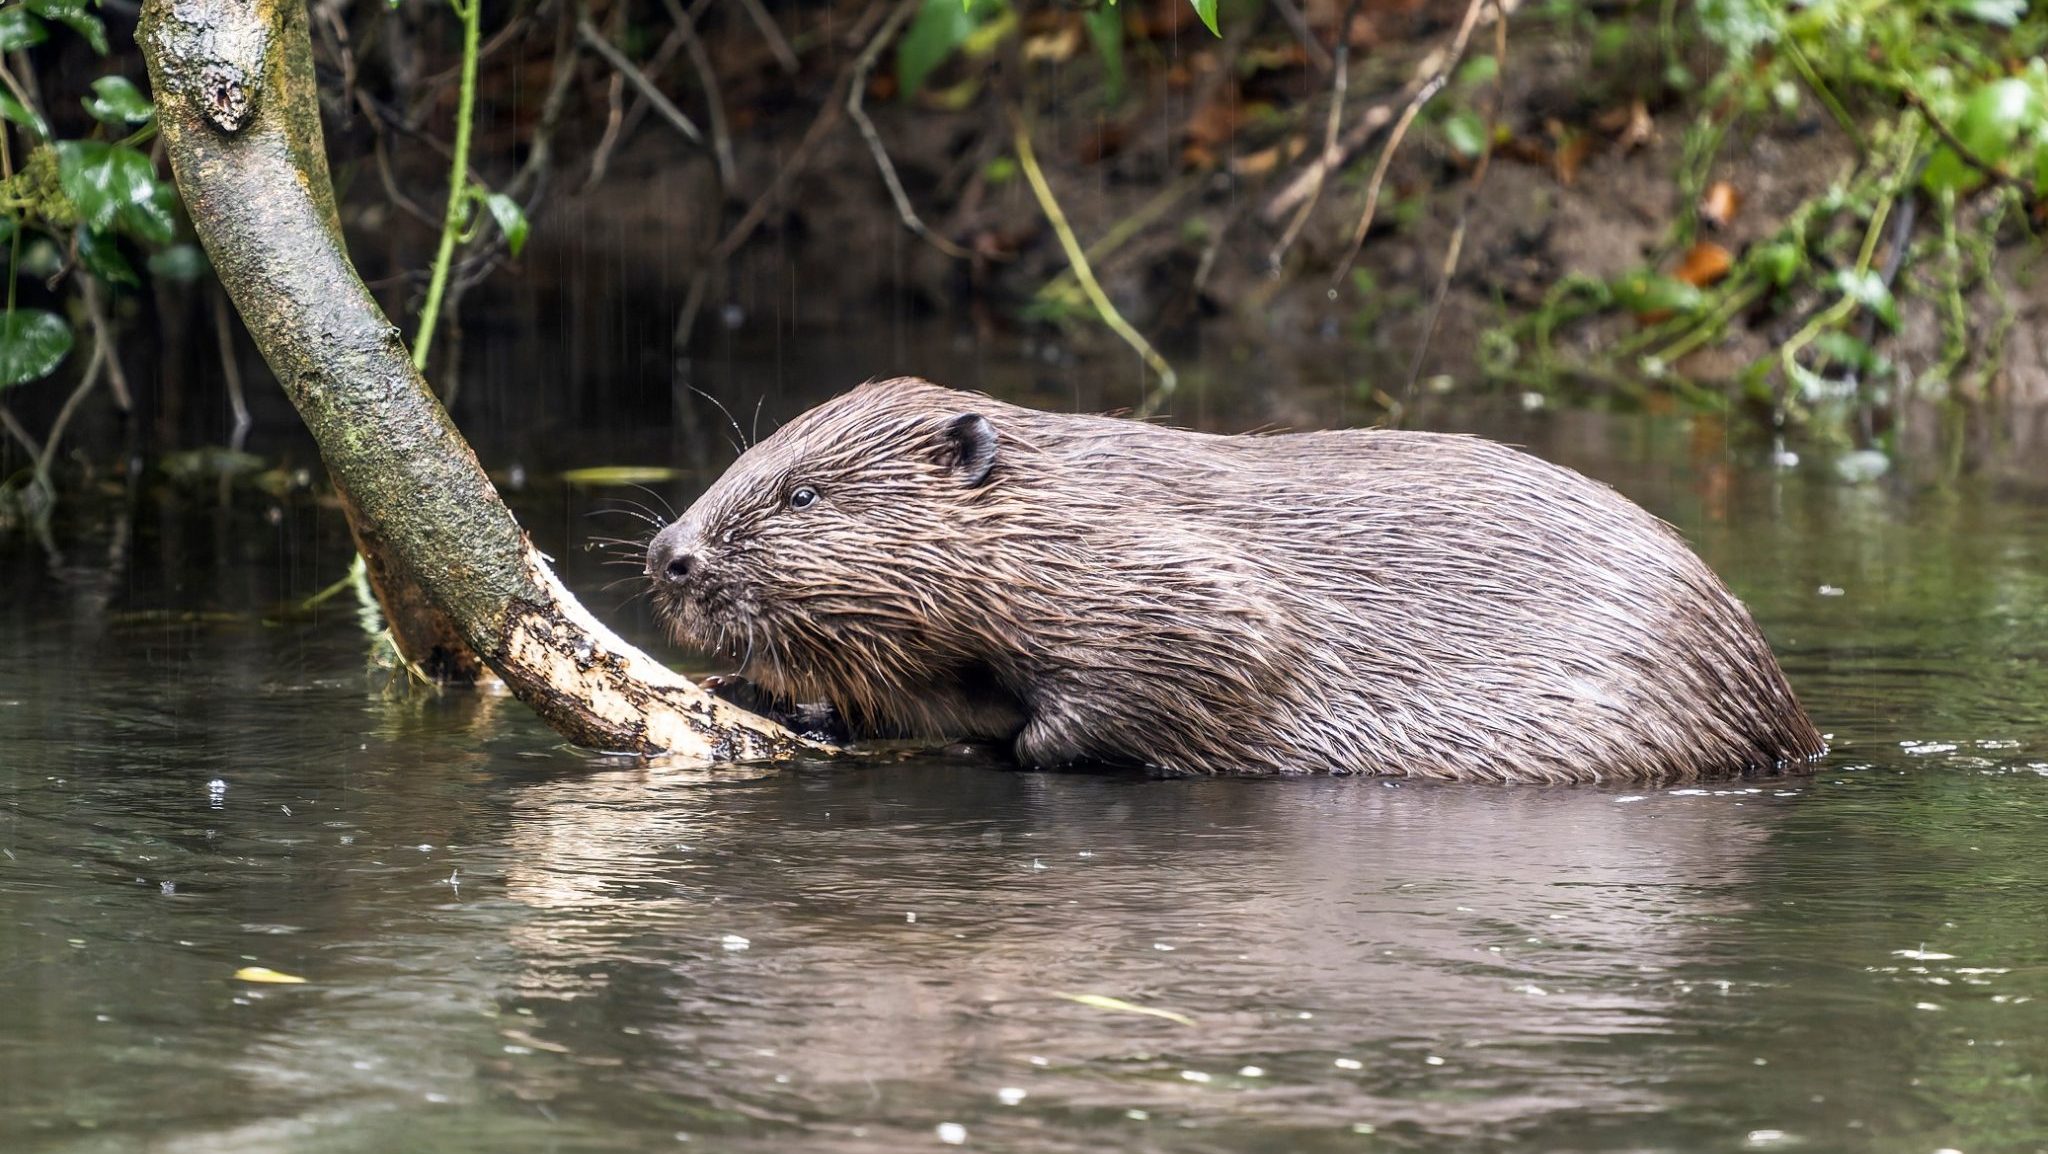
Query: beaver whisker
[669, 509]
[640, 513]
[740, 446]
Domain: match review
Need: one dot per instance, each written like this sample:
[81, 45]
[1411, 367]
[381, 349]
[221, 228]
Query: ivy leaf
[18, 29]
[1466, 132]
[101, 256]
[154, 218]
[1990, 122]
[32, 344]
[1652, 294]
[180, 262]
[1206, 9]
[73, 14]
[941, 26]
[1869, 290]
[2004, 13]
[102, 179]
[1106, 30]
[115, 101]
[511, 219]
[22, 114]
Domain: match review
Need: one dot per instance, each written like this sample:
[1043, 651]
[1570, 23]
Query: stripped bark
[235, 98]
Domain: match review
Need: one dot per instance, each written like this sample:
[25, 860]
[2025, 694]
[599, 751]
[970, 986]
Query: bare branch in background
[1445, 61]
[700, 63]
[591, 38]
[1456, 247]
[1340, 83]
[103, 332]
[855, 94]
[230, 370]
[772, 33]
[528, 184]
[1292, 16]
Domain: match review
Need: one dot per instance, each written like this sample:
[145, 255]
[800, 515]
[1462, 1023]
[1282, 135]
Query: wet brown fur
[1362, 601]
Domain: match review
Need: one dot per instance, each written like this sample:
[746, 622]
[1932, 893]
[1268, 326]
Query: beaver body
[1092, 589]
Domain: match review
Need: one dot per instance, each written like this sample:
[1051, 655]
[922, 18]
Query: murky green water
[509, 945]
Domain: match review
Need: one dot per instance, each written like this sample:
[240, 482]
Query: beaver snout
[672, 557]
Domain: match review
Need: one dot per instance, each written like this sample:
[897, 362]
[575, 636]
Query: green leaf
[18, 29]
[102, 179]
[1477, 71]
[1466, 132]
[1868, 289]
[74, 14]
[1779, 262]
[2004, 13]
[22, 114]
[101, 256]
[1651, 293]
[1990, 122]
[154, 219]
[941, 26]
[180, 262]
[511, 219]
[32, 344]
[1846, 350]
[115, 101]
[1106, 30]
[1206, 9]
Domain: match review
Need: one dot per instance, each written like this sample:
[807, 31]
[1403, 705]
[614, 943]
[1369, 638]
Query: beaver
[1093, 589]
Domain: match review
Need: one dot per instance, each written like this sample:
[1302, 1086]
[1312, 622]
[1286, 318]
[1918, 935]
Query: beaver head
[826, 560]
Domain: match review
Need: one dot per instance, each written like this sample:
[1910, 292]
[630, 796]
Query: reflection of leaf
[511, 219]
[18, 29]
[266, 974]
[32, 344]
[116, 101]
[620, 475]
[1118, 1005]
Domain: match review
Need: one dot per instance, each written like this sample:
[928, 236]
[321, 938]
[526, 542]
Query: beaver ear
[971, 448]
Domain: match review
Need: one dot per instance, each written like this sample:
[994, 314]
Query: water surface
[509, 944]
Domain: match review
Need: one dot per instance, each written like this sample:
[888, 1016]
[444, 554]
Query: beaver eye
[803, 497]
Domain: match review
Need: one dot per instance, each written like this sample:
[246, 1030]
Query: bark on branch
[236, 101]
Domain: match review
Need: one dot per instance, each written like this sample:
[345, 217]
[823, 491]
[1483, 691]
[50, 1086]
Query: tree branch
[240, 117]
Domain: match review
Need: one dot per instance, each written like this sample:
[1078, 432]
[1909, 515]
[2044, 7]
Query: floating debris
[268, 975]
[1118, 1005]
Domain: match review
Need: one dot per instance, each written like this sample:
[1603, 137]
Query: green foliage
[75, 15]
[1206, 9]
[940, 28]
[2003, 121]
[32, 344]
[20, 30]
[116, 102]
[1106, 32]
[510, 217]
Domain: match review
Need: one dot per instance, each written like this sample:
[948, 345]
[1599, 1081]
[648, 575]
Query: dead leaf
[1704, 264]
[1105, 1002]
[266, 975]
[1720, 203]
[1055, 47]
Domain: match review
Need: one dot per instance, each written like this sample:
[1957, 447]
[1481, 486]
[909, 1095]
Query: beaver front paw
[815, 721]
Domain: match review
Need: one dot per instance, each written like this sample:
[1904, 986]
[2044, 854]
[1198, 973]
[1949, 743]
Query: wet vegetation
[1819, 215]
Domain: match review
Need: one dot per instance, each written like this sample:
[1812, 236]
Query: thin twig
[103, 332]
[778, 44]
[530, 182]
[1340, 82]
[855, 95]
[230, 371]
[86, 383]
[596, 42]
[1422, 97]
[1456, 247]
[1291, 14]
[1028, 161]
[614, 122]
[700, 62]
[20, 433]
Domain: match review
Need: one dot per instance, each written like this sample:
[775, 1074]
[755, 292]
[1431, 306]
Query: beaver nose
[670, 560]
